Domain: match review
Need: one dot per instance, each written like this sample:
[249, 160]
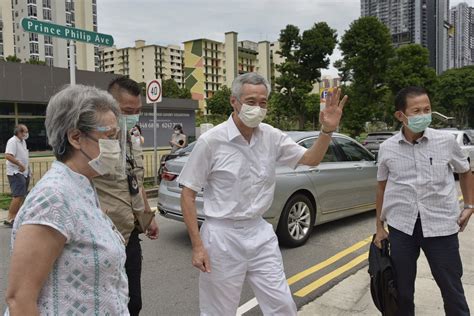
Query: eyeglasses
[111, 131]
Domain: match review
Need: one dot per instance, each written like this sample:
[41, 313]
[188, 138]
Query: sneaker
[8, 223]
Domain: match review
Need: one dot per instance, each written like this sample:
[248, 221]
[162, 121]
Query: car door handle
[359, 167]
[317, 170]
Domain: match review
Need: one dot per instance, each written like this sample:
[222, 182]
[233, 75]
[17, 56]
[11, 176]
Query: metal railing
[40, 165]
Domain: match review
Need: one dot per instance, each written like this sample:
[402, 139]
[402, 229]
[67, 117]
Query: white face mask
[109, 157]
[251, 116]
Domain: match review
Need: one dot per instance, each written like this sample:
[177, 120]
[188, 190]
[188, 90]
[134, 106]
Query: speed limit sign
[153, 91]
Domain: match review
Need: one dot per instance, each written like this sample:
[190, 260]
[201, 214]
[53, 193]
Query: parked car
[470, 133]
[343, 184]
[180, 152]
[374, 139]
[466, 143]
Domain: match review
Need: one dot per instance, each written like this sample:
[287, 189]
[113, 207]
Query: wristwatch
[467, 206]
[326, 133]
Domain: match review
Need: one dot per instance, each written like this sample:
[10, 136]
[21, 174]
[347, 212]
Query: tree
[305, 55]
[410, 67]
[171, 89]
[13, 58]
[219, 103]
[455, 93]
[366, 50]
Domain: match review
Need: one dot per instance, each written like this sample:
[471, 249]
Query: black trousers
[445, 263]
[133, 268]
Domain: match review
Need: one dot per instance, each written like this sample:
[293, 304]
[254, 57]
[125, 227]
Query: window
[47, 14]
[330, 155]
[31, 2]
[48, 40]
[34, 48]
[33, 37]
[353, 151]
[32, 10]
[47, 4]
[49, 61]
[48, 50]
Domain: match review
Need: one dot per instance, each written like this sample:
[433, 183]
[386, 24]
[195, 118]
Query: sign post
[154, 95]
[69, 33]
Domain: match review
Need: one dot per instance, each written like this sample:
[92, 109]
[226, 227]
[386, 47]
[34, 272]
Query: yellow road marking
[328, 277]
[327, 262]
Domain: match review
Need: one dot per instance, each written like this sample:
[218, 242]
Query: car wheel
[296, 221]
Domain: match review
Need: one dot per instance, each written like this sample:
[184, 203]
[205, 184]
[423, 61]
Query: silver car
[343, 184]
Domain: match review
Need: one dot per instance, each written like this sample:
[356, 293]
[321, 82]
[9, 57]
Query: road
[170, 283]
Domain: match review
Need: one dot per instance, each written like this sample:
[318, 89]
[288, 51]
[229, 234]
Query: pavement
[352, 295]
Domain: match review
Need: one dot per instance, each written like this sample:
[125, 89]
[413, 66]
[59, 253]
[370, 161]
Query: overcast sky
[166, 22]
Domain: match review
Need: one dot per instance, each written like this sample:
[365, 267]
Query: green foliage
[13, 58]
[305, 55]
[34, 61]
[410, 67]
[171, 89]
[219, 103]
[455, 94]
[366, 49]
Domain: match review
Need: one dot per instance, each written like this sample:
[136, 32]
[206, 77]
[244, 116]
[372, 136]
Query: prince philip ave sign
[66, 32]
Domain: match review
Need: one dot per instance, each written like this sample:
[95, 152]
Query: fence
[39, 166]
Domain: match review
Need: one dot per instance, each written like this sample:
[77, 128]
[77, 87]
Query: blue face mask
[418, 123]
[129, 120]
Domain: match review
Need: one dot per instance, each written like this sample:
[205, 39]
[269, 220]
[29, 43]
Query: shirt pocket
[439, 171]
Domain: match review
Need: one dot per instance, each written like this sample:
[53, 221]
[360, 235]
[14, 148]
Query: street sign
[66, 32]
[153, 91]
[323, 95]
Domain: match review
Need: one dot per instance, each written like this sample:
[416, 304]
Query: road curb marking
[299, 276]
[334, 274]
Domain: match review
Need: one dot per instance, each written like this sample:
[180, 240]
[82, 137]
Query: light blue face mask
[129, 120]
[418, 123]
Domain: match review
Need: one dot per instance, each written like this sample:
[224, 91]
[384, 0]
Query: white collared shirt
[17, 148]
[238, 178]
[420, 181]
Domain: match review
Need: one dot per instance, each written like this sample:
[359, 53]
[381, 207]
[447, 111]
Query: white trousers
[239, 251]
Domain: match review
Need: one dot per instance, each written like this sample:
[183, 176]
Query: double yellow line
[335, 273]
[330, 276]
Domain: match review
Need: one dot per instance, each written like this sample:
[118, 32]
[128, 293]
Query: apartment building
[461, 41]
[144, 62]
[424, 22]
[209, 64]
[53, 51]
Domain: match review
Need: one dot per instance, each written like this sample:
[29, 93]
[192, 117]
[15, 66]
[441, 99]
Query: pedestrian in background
[137, 137]
[18, 171]
[418, 199]
[178, 139]
[121, 193]
[234, 164]
[67, 257]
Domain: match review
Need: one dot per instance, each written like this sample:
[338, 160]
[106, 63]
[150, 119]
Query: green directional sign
[66, 32]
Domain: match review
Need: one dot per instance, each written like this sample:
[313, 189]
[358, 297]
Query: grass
[5, 201]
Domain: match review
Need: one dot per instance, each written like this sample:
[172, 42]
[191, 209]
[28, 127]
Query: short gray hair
[75, 107]
[248, 78]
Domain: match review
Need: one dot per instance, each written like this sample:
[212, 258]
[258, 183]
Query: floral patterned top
[88, 278]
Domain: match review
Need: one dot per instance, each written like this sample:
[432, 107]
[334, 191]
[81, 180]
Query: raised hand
[331, 115]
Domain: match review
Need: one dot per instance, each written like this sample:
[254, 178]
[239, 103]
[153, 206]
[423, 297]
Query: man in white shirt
[234, 163]
[418, 198]
[16, 155]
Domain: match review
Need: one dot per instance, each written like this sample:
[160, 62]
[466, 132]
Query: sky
[167, 22]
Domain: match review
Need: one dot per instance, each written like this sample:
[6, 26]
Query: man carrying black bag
[418, 199]
[382, 279]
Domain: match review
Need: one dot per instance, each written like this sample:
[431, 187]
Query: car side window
[466, 140]
[353, 151]
[330, 155]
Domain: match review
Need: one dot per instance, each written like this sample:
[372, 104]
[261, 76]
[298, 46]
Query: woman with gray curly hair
[67, 257]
